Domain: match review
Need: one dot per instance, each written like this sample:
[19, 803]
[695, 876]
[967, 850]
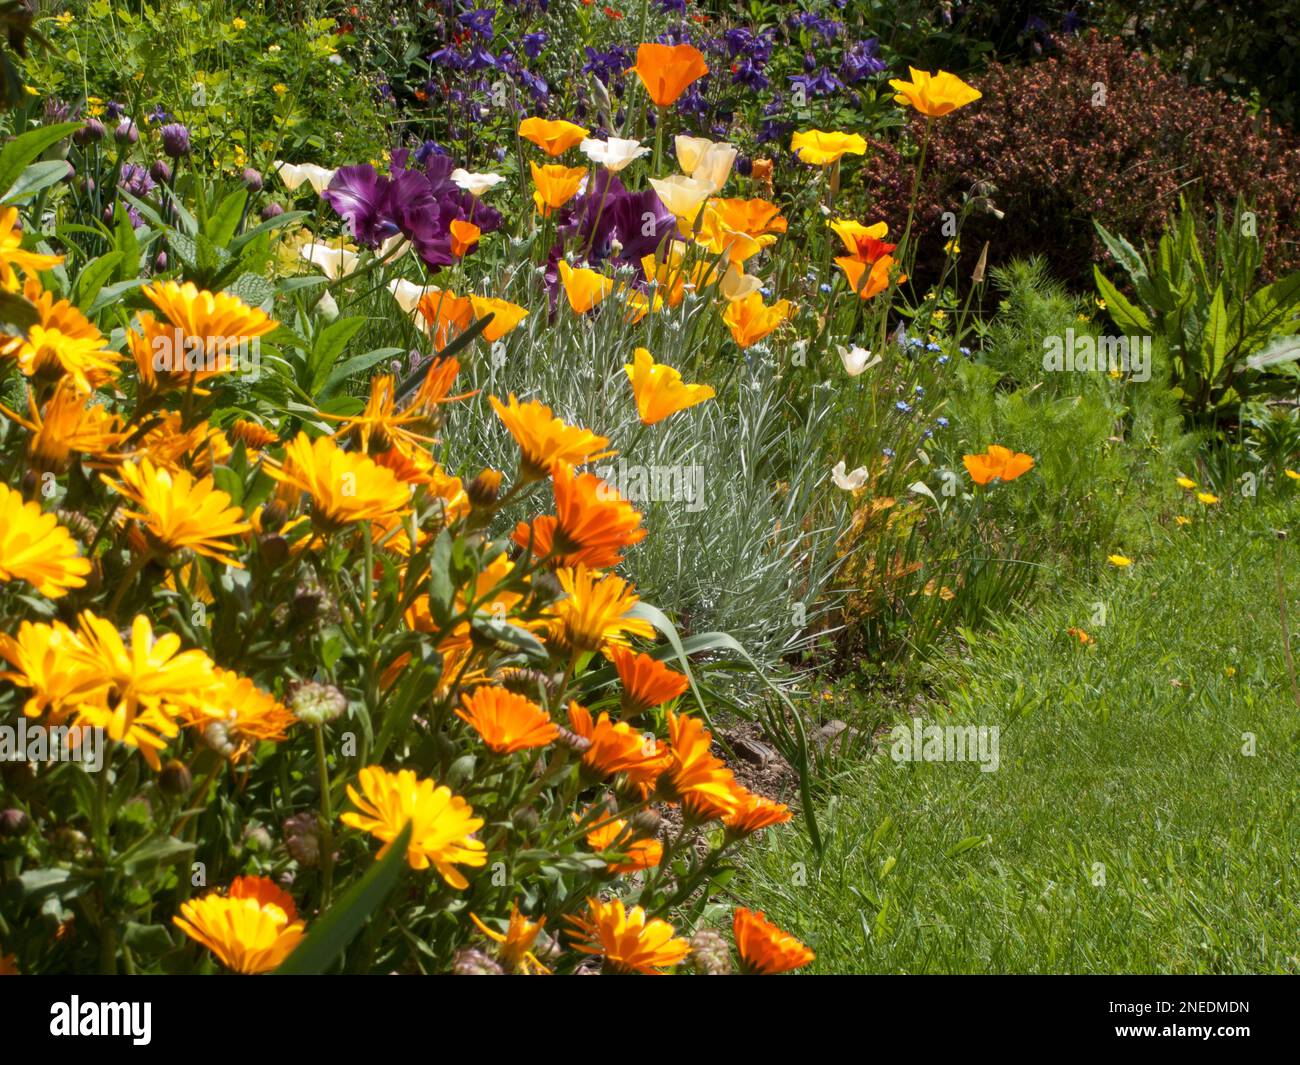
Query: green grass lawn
[1125, 830]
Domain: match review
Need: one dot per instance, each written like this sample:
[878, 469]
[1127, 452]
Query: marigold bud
[484, 489]
[471, 962]
[302, 839]
[175, 778]
[709, 953]
[317, 704]
[14, 822]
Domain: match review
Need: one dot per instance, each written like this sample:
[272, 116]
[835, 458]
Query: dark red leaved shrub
[1094, 132]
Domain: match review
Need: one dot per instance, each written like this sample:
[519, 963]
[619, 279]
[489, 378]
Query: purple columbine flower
[175, 140]
[534, 43]
[822, 83]
[861, 60]
[479, 21]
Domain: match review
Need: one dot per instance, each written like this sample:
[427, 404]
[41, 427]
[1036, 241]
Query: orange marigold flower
[613, 835]
[35, 548]
[593, 524]
[667, 71]
[553, 136]
[344, 486]
[629, 942]
[61, 342]
[12, 254]
[618, 748]
[507, 722]
[253, 436]
[544, 439]
[998, 463]
[696, 778]
[647, 682]
[755, 813]
[252, 928]
[67, 425]
[515, 946]
[763, 948]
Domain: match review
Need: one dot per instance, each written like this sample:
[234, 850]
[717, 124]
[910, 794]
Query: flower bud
[525, 820]
[258, 840]
[175, 778]
[645, 823]
[484, 489]
[302, 839]
[126, 133]
[471, 962]
[160, 172]
[91, 133]
[709, 953]
[252, 180]
[271, 210]
[175, 140]
[14, 823]
[317, 704]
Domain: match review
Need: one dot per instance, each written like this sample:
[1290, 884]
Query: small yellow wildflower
[239, 23]
[1208, 498]
[1185, 482]
[1120, 561]
[279, 88]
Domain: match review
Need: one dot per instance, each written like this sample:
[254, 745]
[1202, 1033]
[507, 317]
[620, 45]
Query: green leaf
[253, 289]
[93, 276]
[1282, 350]
[22, 150]
[221, 225]
[1129, 260]
[159, 852]
[967, 844]
[36, 177]
[111, 293]
[1214, 341]
[327, 347]
[1129, 318]
[356, 365]
[17, 310]
[332, 933]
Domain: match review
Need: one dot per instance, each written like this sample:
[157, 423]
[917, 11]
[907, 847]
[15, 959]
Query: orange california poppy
[507, 722]
[464, 235]
[659, 389]
[763, 948]
[505, 316]
[647, 682]
[555, 185]
[998, 463]
[864, 243]
[584, 287]
[667, 70]
[750, 319]
[442, 310]
[933, 95]
[553, 136]
[867, 279]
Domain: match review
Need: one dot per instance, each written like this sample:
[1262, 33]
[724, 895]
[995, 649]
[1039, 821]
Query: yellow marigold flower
[659, 390]
[1207, 498]
[593, 614]
[613, 835]
[49, 660]
[821, 149]
[253, 436]
[12, 254]
[1185, 482]
[629, 942]
[235, 715]
[667, 70]
[252, 928]
[198, 448]
[380, 425]
[441, 823]
[750, 319]
[593, 525]
[344, 486]
[763, 948]
[696, 777]
[61, 342]
[544, 439]
[1119, 561]
[515, 947]
[646, 681]
[144, 687]
[933, 95]
[67, 425]
[553, 136]
[754, 813]
[584, 288]
[505, 316]
[616, 747]
[178, 512]
[505, 721]
[212, 317]
[35, 548]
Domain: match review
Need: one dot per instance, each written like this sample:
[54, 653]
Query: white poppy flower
[294, 174]
[613, 154]
[850, 482]
[475, 184]
[682, 195]
[407, 293]
[856, 359]
[715, 166]
[690, 150]
[335, 262]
